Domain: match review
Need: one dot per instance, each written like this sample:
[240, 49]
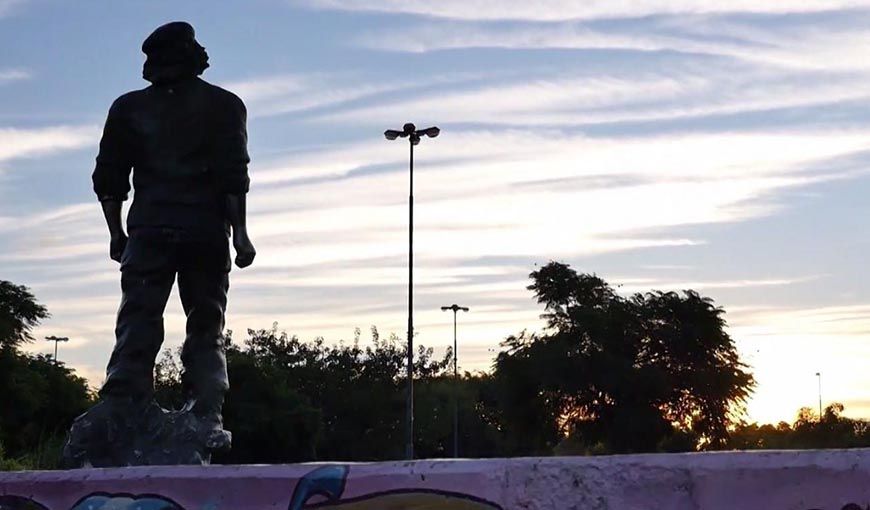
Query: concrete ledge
[824, 480]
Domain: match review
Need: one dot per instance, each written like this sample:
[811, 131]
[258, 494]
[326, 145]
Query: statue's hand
[245, 251]
[116, 246]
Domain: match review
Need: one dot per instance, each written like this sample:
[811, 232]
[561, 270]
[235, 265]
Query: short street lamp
[413, 135]
[819, 375]
[56, 339]
[456, 308]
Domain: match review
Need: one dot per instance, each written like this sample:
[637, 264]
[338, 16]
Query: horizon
[662, 145]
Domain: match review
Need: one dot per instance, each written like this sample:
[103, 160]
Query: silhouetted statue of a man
[185, 142]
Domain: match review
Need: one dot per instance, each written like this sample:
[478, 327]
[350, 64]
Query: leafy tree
[41, 397]
[19, 314]
[40, 400]
[619, 374]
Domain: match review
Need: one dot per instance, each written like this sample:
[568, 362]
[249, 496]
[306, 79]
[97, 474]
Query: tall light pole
[56, 339]
[456, 308]
[819, 375]
[413, 135]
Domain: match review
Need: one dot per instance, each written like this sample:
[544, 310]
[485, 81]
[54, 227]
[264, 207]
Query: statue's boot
[207, 410]
[205, 383]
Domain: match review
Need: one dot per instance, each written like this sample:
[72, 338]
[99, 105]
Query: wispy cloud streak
[12, 75]
[22, 143]
[555, 10]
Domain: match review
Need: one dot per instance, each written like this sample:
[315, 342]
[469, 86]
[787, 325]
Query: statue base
[121, 432]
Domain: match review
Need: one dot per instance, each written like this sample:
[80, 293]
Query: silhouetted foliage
[294, 401]
[619, 374]
[40, 397]
[832, 430]
[19, 314]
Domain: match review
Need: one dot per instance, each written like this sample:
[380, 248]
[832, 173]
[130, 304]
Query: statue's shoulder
[224, 96]
[128, 100]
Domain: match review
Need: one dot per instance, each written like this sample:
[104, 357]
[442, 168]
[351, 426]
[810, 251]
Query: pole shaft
[409, 448]
[55, 351]
[820, 397]
[455, 389]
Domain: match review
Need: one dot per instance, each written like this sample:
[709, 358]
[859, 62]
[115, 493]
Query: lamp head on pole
[431, 132]
[455, 308]
[411, 132]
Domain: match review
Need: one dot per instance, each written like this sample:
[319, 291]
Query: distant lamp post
[819, 375]
[455, 308]
[56, 340]
[413, 135]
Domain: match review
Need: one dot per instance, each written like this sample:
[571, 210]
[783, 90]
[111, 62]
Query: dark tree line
[831, 430]
[650, 372]
[38, 396]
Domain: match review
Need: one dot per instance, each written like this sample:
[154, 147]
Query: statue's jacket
[186, 145]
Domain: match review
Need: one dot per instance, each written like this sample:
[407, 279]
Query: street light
[456, 308]
[413, 135]
[819, 375]
[56, 339]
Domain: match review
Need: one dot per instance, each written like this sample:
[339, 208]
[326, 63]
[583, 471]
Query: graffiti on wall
[321, 488]
[106, 501]
[327, 484]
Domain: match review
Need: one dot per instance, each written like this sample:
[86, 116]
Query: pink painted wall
[824, 480]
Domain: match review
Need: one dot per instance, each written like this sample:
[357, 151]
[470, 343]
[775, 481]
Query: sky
[661, 144]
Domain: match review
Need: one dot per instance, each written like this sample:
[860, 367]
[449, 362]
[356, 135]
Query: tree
[41, 397]
[19, 314]
[620, 374]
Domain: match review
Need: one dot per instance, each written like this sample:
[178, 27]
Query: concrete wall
[824, 480]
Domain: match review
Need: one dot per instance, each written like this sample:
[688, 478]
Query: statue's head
[173, 54]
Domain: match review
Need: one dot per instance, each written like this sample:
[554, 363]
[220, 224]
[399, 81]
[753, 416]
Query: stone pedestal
[124, 433]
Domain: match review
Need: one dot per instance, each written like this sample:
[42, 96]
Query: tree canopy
[19, 314]
[40, 396]
[627, 374]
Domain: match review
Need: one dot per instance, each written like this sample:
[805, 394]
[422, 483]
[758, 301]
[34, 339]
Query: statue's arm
[236, 210]
[111, 176]
[235, 181]
[118, 239]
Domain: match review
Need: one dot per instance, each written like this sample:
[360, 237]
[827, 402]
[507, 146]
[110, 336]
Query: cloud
[25, 143]
[646, 284]
[12, 75]
[556, 10]
[591, 98]
[279, 94]
[838, 46]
